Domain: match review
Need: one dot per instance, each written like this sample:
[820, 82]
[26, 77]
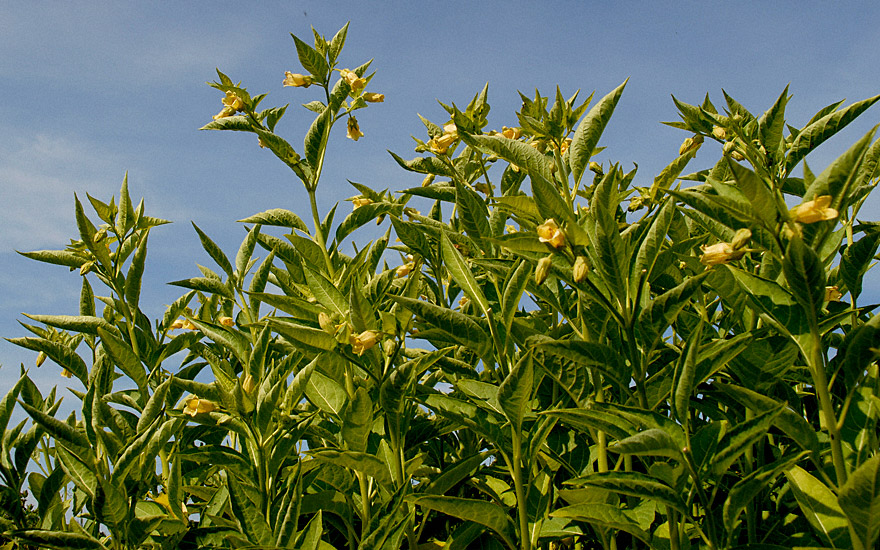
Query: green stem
[826, 406]
[525, 541]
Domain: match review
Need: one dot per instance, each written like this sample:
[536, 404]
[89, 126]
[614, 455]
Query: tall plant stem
[826, 406]
[319, 231]
[522, 509]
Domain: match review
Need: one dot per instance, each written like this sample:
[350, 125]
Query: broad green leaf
[333, 50]
[425, 165]
[651, 442]
[59, 353]
[771, 125]
[664, 309]
[245, 252]
[87, 234]
[208, 285]
[514, 286]
[57, 540]
[820, 130]
[215, 252]
[590, 419]
[124, 357]
[363, 215]
[56, 428]
[485, 513]
[453, 474]
[514, 151]
[311, 60]
[311, 337]
[110, 503]
[755, 189]
[461, 328]
[357, 420]
[839, 179]
[472, 212]
[326, 393]
[685, 374]
[461, 273]
[325, 292]
[316, 138]
[856, 260]
[360, 462]
[135, 275]
[635, 484]
[278, 217]
[522, 243]
[805, 275]
[601, 357]
[515, 391]
[819, 505]
[250, 518]
[80, 473]
[651, 245]
[586, 136]
[551, 204]
[7, 404]
[57, 257]
[859, 499]
[741, 437]
[604, 515]
[74, 323]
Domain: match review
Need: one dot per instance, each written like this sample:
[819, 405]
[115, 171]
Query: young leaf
[515, 391]
[214, 251]
[278, 217]
[461, 273]
[590, 129]
[819, 505]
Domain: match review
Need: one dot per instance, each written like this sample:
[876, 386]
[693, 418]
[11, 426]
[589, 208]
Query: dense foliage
[559, 360]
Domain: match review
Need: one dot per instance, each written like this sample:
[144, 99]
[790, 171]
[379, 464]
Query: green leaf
[651, 245]
[771, 125]
[517, 152]
[311, 337]
[462, 329]
[741, 437]
[56, 257]
[250, 518]
[603, 515]
[651, 442]
[805, 275]
[278, 217]
[856, 260]
[755, 189]
[61, 354]
[124, 357]
[335, 47]
[363, 215]
[472, 211]
[214, 252]
[135, 275]
[515, 391]
[81, 474]
[461, 273]
[586, 136]
[56, 428]
[357, 461]
[326, 393]
[819, 505]
[635, 484]
[357, 420]
[208, 285]
[245, 252]
[325, 292]
[75, 323]
[87, 234]
[316, 138]
[58, 540]
[478, 511]
[425, 165]
[154, 405]
[664, 309]
[311, 60]
[859, 499]
[820, 130]
[453, 474]
[685, 373]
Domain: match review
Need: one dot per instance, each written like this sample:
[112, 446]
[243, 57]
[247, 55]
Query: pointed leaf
[478, 511]
[586, 136]
[819, 505]
[860, 501]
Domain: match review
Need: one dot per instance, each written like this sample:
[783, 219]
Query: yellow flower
[404, 269]
[451, 129]
[549, 232]
[371, 97]
[719, 133]
[233, 101]
[296, 79]
[354, 82]
[361, 201]
[565, 145]
[511, 133]
[596, 167]
[248, 384]
[542, 270]
[195, 405]
[41, 358]
[464, 301]
[364, 341]
[182, 323]
[440, 144]
[354, 131]
[720, 253]
[66, 373]
[832, 294]
[225, 112]
[580, 268]
[815, 210]
[226, 321]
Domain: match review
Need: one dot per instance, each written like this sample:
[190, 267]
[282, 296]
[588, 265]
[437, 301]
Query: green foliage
[546, 368]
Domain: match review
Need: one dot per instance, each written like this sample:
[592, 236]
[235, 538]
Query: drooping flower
[371, 97]
[579, 269]
[354, 131]
[363, 341]
[404, 270]
[832, 294]
[232, 100]
[814, 211]
[354, 81]
[226, 321]
[511, 133]
[549, 232]
[195, 405]
[297, 80]
[720, 253]
[440, 144]
[690, 144]
[361, 201]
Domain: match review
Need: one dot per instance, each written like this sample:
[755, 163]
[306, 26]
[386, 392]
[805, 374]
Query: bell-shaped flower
[817, 210]
[550, 233]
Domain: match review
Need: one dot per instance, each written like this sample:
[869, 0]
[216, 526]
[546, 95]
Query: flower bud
[596, 168]
[832, 294]
[297, 80]
[719, 133]
[100, 235]
[741, 239]
[41, 358]
[511, 133]
[579, 269]
[248, 384]
[195, 406]
[720, 253]
[542, 270]
[404, 270]
[326, 323]
[361, 201]
[690, 144]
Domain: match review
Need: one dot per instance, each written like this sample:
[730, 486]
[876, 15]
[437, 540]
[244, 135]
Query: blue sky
[94, 89]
